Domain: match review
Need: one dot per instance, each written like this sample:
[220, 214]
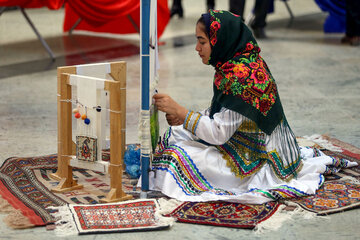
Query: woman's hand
[173, 120]
[175, 113]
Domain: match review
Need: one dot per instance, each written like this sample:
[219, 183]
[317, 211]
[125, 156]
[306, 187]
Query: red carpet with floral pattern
[224, 214]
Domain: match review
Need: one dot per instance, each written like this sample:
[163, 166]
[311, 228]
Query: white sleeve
[217, 130]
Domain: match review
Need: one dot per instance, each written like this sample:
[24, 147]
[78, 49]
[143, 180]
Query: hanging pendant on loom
[87, 121]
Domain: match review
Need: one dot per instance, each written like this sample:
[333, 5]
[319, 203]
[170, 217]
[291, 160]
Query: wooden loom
[66, 147]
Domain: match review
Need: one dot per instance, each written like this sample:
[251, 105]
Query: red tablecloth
[51, 4]
[109, 16]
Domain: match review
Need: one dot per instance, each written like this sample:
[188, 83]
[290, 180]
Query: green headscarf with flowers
[242, 82]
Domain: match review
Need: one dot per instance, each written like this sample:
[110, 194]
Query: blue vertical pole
[145, 79]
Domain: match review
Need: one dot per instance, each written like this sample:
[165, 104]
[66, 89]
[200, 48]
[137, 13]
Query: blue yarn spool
[132, 161]
[87, 121]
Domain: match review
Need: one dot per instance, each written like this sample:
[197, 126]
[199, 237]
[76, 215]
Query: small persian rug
[332, 197]
[135, 215]
[226, 214]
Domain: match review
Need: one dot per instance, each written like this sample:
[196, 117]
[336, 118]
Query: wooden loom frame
[66, 147]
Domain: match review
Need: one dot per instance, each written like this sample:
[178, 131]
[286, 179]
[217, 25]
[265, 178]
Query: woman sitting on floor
[241, 148]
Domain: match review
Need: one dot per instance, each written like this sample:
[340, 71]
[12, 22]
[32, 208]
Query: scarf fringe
[65, 225]
[281, 215]
[15, 219]
[322, 142]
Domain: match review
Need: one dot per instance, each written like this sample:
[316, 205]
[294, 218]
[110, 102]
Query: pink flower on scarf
[249, 47]
[254, 65]
[215, 25]
[259, 76]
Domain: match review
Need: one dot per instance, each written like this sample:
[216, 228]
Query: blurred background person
[352, 35]
[260, 12]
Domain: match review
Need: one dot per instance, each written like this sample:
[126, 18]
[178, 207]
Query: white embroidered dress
[210, 159]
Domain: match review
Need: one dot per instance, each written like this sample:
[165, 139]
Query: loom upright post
[145, 106]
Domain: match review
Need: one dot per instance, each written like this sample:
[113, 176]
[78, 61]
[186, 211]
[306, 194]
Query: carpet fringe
[324, 143]
[65, 225]
[350, 179]
[163, 206]
[281, 215]
[167, 206]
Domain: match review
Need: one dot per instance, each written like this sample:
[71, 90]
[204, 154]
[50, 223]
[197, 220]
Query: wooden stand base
[55, 176]
[114, 197]
[66, 186]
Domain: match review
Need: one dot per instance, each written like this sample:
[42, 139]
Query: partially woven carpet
[135, 215]
[224, 214]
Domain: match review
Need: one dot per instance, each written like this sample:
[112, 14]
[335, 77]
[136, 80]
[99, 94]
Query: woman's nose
[197, 48]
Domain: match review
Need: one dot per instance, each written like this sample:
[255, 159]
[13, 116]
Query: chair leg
[290, 12]
[2, 9]
[45, 45]
[74, 26]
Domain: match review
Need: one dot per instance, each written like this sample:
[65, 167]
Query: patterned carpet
[134, 215]
[332, 197]
[25, 184]
[224, 214]
[336, 196]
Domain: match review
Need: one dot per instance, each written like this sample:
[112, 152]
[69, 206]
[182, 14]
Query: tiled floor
[318, 80]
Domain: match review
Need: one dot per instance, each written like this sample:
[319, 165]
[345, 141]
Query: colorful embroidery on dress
[191, 121]
[282, 192]
[336, 166]
[245, 154]
[286, 173]
[165, 142]
[178, 163]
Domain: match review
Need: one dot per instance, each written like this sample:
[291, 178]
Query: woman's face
[203, 44]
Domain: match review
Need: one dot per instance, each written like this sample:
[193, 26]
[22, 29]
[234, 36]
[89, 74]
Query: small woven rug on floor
[226, 214]
[25, 184]
[333, 196]
[135, 215]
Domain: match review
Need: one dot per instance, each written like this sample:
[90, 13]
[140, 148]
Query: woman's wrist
[181, 113]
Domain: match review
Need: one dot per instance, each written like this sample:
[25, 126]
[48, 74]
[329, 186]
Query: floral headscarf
[242, 81]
